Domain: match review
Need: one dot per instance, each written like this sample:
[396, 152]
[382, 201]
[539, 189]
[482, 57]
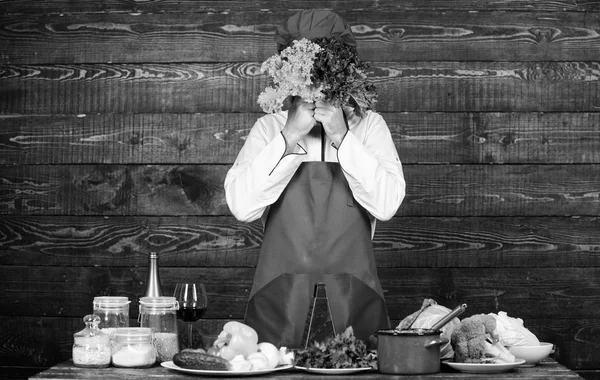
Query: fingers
[301, 102]
[300, 117]
[308, 108]
[323, 113]
[331, 118]
[318, 116]
[325, 108]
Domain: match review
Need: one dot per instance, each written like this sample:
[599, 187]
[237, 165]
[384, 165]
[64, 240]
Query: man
[319, 177]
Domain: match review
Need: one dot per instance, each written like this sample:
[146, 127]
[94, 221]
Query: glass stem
[190, 335]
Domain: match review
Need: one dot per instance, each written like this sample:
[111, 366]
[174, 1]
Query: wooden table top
[547, 370]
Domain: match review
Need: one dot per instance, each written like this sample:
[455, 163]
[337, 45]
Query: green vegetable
[341, 351]
[475, 340]
[341, 73]
[323, 69]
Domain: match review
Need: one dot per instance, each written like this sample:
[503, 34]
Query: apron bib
[316, 232]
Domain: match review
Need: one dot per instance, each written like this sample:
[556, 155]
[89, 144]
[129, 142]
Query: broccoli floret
[475, 340]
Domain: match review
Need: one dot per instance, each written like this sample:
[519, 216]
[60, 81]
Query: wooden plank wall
[119, 120]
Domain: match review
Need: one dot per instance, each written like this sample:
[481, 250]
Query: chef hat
[313, 23]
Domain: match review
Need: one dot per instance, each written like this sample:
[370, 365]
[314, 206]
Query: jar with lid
[133, 347]
[160, 315]
[113, 312]
[91, 347]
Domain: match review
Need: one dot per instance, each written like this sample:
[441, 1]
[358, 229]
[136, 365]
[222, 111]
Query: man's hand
[333, 122]
[299, 122]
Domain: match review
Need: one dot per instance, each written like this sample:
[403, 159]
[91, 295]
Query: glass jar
[91, 347]
[133, 347]
[113, 312]
[160, 315]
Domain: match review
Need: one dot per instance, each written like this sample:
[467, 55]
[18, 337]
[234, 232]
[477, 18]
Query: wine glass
[192, 301]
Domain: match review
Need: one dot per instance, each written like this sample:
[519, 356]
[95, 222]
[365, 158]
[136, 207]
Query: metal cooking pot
[414, 351]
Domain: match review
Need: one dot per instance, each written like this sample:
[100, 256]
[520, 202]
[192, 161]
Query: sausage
[199, 359]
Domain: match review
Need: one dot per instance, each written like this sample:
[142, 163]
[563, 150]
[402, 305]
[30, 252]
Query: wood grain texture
[126, 241]
[20, 372]
[590, 374]
[119, 120]
[403, 242]
[481, 138]
[124, 138]
[67, 371]
[433, 190]
[117, 190]
[249, 36]
[224, 6]
[420, 137]
[24, 350]
[234, 87]
[561, 293]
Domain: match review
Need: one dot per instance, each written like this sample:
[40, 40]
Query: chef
[319, 177]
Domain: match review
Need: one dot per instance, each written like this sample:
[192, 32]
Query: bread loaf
[199, 359]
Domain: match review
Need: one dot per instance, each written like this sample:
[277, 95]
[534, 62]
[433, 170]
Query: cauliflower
[512, 332]
[475, 340]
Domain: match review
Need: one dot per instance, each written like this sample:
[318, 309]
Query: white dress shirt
[367, 156]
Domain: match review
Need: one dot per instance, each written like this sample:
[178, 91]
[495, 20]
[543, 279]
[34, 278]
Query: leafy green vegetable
[341, 74]
[341, 351]
[323, 69]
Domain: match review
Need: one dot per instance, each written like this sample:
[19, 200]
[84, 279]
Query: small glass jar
[133, 347]
[160, 315]
[113, 312]
[91, 347]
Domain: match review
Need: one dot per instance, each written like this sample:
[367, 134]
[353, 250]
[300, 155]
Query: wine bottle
[319, 321]
[153, 287]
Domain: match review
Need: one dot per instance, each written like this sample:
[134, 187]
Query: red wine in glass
[192, 301]
[189, 314]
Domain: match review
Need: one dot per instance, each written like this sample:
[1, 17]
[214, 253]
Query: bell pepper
[236, 339]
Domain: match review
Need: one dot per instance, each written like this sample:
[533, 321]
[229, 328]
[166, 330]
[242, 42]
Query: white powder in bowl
[134, 355]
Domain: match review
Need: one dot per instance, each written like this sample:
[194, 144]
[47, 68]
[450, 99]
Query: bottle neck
[153, 287]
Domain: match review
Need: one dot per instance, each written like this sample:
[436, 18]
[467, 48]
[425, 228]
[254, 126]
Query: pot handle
[448, 317]
[435, 342]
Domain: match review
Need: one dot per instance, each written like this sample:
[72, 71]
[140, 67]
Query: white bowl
[531, 354]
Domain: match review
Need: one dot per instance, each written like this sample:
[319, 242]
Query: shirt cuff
[338, 147]
[297, 151]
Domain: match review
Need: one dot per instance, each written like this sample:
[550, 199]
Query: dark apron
[316, 232]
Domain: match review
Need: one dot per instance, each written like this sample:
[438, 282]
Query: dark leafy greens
[323, 69]
[342, 351]
[342, 74]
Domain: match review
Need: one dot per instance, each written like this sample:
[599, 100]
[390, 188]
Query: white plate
[202, 372]
[483, 367]
[334, 371]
